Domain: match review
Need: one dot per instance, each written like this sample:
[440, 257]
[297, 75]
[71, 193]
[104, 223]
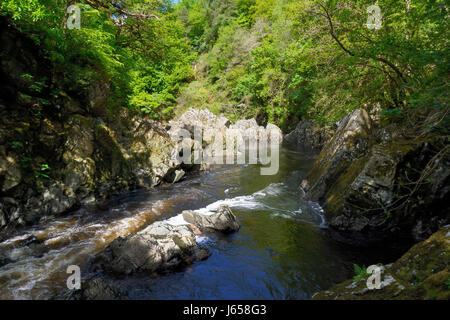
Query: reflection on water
[280, 252]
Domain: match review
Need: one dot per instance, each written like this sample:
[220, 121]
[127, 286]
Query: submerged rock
[422, 273]
[159, 248]
[222, 220]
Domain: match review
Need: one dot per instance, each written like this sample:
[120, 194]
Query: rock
[245, 124]
[422, 273]
[250, 130]
[201, 118]
[222, 220]
[366, 187]
[94, 288]
[310, 135]
[99, 289]
[274, 131]
[177, 176]
[98, 98]
[223, 121]
[92, 153]
[10, 173]
[351, 141]
[159, 248]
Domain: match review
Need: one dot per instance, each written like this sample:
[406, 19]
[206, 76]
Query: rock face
[159, 248]
[162, 247]
[59, 151]
[201, 118]
[222, 220]
[92, 159]
[310, 135]
[250, 129]
[422, 273]
[206, 120]
[372, 190]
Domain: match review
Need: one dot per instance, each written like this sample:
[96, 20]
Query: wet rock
[99, 289]
[52, 201]
[310, 135]
[422, 273]
[159, 248]
[222, 220]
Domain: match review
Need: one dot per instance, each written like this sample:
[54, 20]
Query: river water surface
[282, 250]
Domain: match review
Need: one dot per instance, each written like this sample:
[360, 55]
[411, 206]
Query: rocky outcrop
[309, 135]
[375, 188]
[250, 130]
[222, 219]
[62, 147]
[422, 273]
[162, 247]
[205, 120]
[93, 159]
[159, 248]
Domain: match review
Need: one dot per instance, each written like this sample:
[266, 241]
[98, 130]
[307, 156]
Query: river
[282, 250]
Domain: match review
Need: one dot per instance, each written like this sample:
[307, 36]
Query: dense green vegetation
[278, 60]
[145, 58]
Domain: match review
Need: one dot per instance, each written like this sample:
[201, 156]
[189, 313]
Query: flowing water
[282, 250]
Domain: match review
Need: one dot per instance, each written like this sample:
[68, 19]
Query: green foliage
[285, 59]
[281, 60]
[126, 55]
[360, 272]
[42, 172]
[16, 144]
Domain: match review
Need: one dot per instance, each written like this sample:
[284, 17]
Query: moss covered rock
[421, 273]
[373, 191]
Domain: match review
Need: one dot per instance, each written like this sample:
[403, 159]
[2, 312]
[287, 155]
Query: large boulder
[201, 118]
[422, 273]
[250, 130]
[78, 150]
[222, 219]
[351, 141]
[159, 248]
[310, 135]
[372, 191]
